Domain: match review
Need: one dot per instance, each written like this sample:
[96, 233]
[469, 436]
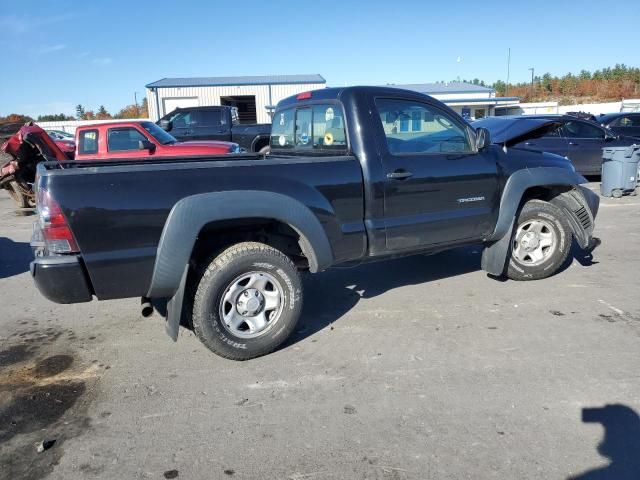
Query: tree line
[607, 84]
[129, 111]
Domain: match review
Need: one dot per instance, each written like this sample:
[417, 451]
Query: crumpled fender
[579, 203]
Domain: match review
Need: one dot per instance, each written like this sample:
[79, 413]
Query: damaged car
[580, 141]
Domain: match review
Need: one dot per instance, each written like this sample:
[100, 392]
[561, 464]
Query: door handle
[528, 144]
[399, 174]
[573, 143]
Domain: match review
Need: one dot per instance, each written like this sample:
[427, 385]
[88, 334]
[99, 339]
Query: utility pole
[135, 100]
[531, 82]
[506, 88]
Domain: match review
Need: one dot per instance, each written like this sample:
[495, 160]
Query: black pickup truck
[354, 174]
[216, 123]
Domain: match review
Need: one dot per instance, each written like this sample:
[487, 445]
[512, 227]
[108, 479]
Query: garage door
[170, 104]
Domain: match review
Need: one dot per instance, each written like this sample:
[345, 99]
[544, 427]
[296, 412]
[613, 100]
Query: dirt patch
[43, 396]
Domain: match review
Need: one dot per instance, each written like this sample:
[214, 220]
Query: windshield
[159, 134]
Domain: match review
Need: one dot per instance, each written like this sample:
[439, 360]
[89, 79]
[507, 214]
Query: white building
[469, 100]
[255, 96]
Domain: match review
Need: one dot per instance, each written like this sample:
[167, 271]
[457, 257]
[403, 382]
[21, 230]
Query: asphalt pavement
[416, 368]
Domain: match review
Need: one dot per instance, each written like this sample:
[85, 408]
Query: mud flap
[580, 207]
[174, 308]
[495, 255]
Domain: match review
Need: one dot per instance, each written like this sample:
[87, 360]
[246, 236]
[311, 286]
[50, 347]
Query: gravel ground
[417, 368]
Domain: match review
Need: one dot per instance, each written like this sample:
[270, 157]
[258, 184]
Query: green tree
[500, 87]
[79, 112]
[102, 113]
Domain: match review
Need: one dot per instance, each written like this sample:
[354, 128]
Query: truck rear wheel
[248, 301]
[541, 242]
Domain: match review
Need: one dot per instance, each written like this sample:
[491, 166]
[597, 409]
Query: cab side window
[413, 127]
[88, 142]
[124, 139]
[181, 119]
[578, 129]
[210, 118]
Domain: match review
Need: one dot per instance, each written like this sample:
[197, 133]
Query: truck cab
[215, 123]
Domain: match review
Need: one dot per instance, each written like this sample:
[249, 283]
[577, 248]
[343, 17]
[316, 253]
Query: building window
[479, 113]
[404, 123]
[415, 121]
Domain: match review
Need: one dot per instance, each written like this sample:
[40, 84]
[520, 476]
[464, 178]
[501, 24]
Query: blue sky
[94, 53]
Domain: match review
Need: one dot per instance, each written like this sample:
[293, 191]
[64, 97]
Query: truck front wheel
[248, 301]
[541, 242]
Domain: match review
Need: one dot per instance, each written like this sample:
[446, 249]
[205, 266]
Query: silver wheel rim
[251, 305]
[535, 242]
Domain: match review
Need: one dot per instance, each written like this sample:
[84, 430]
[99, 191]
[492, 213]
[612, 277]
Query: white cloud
[51, 48]
[26, 23]
[102, 61]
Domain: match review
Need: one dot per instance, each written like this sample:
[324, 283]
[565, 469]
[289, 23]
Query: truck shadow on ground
[620, 443]
[14, 257]
[333, 293]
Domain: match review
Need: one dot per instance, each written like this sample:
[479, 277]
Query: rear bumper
[61, 279]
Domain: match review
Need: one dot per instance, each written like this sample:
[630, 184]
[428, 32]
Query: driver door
[438, 188]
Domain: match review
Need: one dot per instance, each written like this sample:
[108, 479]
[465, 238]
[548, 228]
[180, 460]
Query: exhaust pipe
[146, 309]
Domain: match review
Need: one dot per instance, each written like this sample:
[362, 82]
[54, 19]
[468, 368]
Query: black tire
[553, 221]
[220, 274]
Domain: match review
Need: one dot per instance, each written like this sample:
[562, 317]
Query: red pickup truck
[116, 140]
[139, 139]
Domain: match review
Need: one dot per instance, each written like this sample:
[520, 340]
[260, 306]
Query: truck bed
[118, 209]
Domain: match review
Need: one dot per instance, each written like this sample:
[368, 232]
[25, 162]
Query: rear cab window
[309, 127]
[88, 142]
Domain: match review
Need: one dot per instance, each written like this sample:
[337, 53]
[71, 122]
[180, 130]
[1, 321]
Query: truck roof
[124, 123]
[338, 93]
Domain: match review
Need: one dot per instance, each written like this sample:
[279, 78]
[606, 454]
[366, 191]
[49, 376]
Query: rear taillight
[55, 230]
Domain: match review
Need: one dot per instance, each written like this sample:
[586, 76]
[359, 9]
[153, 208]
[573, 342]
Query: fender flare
[257, 139]
[189, 215]
[494, 256]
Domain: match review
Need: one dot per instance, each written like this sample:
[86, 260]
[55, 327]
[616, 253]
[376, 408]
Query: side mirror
[146, 145]
[483, 138]
[166, 125]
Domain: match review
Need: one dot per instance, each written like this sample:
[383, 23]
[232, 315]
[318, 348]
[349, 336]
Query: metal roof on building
[232, 81]
[487, 100]
[442, 88]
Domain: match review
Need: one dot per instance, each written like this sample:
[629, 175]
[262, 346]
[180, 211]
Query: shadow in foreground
[621, 443]
[14, 257]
